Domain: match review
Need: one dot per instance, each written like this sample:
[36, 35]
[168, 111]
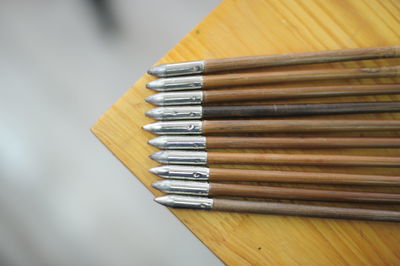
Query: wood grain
[259, 94]
[271, 110]
[243, 62]
[215, 142]
[297, 125]
[244, 28]
[237, 79]
[302, 159]
[304, 210]
[270, 192]
[259, 175]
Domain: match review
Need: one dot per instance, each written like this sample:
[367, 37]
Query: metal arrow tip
[155, 113]
[155, 99]
[166, 200]
[157, 85]
[158, 70]
[159, 142]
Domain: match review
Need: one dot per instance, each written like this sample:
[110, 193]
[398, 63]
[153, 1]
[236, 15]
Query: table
[239, 28]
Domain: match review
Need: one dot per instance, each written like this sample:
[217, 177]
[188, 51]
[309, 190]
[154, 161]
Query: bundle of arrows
[195, 120]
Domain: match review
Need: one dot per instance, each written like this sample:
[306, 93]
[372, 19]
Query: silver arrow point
[159, 142]
[165, 200]
[154, 99]
[160, 156]
[157, 85]
[161, 185]
[155, 113]
[158, 71]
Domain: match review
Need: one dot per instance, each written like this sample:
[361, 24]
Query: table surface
[239, 28]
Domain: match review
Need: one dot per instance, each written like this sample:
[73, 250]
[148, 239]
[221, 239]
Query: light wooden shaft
[302, 109]
[237, 79]
[240, 95]
[257, 175]
[225, 64]
[301, 159]
[216, 142]
[269, 192]
[247, 126]
[304, 210]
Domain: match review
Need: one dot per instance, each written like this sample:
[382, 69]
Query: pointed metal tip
[158, 142]
[165, 186]
[158, 70]
[175, 127]
[176, 98]
[148, 85]
[148, 99]
[181, 201]
[158, 200]
[159, 156]
[157, 98]
[153, 170]
[156, 85]
[156, 185]
[147, 127]
[155, 128]
[176, 83]
[153, 156]
[180, 157]
[149, 113]
[176, 112]
[155, 113]
[182, 187]
[179, 142]
[162, 185]
[177, 69]
[181, 172]
[153, 99]
[161, 171]
[166, 200]
[151, 71]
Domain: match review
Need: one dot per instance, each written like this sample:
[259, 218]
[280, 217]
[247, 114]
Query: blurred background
[64, 198]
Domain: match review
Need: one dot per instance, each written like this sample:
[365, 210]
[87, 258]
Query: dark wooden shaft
[238, 79]
[301, 159]
[269, 192]
[217, 142]
[225, 64]
[255, 175]
[210, 112]
[240, 95]
[297, 125]
[304, 210]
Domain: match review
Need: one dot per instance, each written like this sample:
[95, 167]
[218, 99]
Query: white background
[64, 199]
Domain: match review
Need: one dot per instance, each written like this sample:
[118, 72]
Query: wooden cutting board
[238, 28]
